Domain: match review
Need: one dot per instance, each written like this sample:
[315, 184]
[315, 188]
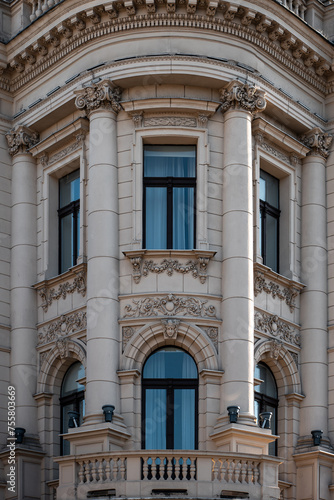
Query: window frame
[264, 399]
[71, 208]
[170, 384]
[169, 183]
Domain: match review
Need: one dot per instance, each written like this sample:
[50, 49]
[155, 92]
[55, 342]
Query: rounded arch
[57, 362]
[281, 363]
[189, 337]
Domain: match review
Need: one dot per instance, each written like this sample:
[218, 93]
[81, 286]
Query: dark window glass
[266, 399]
[71, 399]
[69, 220]
[170, 394]
[169, 197]
[269, 220]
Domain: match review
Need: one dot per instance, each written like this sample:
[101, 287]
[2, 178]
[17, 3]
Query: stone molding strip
[196, 264]
[72, 281]
[230, 18]
[265, 280]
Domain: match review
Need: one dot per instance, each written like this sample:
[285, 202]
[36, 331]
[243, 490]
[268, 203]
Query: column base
[94, 438]
[239, 438]
[314, 474]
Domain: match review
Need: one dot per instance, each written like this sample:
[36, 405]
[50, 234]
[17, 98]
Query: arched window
[266, 399]
[170, 401]
[71, 399]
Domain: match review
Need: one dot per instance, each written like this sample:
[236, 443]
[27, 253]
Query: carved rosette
[242, 96]
[20, 139]
[101, 95]
[318, 142]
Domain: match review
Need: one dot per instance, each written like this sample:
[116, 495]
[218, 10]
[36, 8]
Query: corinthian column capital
[20, 139]
[101, 95]
[318, 142]
[240, 95]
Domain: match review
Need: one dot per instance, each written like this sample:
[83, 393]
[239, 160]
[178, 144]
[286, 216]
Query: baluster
[94, 470]
[229, 470]
[33, 12]
[107, 470]
[50, 3]
[145, 467]
[154, 468]
[39, 11]
[243, 472]
[122, 468]
[192, 468]
[237, 472]
[256, 473]
[81, 472]
[249, 472]
[44, 6]
[114, 469]
[169, 467]
[87, 471]
[224, 466]
[100, 471]
[215, 469]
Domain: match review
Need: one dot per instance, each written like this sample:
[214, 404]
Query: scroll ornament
[242, 96]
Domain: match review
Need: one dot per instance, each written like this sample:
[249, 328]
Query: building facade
[167, 249]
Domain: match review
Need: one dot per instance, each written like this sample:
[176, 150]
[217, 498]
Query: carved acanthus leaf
[21, 139]
[273, 289]
[102, 94]
[244, 96]
[170, 305]
[48, 295]
[318, 141]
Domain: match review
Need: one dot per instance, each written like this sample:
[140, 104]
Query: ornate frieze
[269, 148]
[169, 121]
[21, 139]
[169, 305]
[63, 326]
[272, 325]
[103, 94]
[318, 141]
[196, 267]
[287, 294]
[242, 96]
[49, 293]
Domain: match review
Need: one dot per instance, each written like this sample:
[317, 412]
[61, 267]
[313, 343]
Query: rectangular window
[169, 197]
[69, 220]
[269, 220]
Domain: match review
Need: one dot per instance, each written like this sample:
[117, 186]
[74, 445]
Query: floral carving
[212, 333]
[21, 139]
[48, 295]
[197, 268]
[127, 333]
[271, 324]
[171, 327]
[65, 325]
[318, 141]
[242, 96]
[167, 121]
[170, 305]
[102, 94]
[271, 288]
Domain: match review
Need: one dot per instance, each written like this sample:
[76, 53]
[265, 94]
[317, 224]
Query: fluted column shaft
[237, 269]
[23, 276]
[314, 296]
[102, 384]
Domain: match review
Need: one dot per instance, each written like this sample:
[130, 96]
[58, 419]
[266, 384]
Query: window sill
[194, 262]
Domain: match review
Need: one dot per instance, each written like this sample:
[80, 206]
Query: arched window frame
[170, 384]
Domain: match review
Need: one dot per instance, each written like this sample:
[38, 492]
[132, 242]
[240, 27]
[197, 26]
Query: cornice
[249, 25]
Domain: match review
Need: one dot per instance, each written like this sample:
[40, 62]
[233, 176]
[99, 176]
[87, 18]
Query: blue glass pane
[70, 384]
[268, 386]
[183, 218]
[156, 419]
[156, 218]
[170, 363]
[170, 161]
[184, 419]
[269, 189]
[69, 188]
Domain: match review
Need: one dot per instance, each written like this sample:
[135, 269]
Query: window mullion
[170, 418]
[170, 213]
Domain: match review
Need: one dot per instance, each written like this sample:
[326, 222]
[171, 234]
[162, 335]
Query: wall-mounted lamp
[108, 411]
[317, 436]
[233, 413]
[265, 419]
[19, 433]
[73, 419]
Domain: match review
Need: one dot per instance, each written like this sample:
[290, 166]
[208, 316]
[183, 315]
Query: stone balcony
[193, 474]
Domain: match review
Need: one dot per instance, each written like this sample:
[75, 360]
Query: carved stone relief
[127, 333]
[65, 325]
[318, 141]
[212, 333]
[276, 349]
[168, 121]
[48, 295]
[103, 94]
[170, 328]
[273, 289]
[170, 305]
[244, 96]
[271, 324]
[21, 139]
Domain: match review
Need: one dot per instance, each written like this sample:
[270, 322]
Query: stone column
[239, 103]
[314, 296]
[101, 102]
[23, 276]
